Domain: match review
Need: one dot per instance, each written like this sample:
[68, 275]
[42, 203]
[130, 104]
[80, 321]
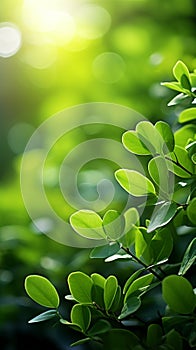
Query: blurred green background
[56, 54]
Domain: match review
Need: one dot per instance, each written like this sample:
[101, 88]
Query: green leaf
[131, 305]
[178, 99]
[159, 172]
[185, 83]
[154, 336]
[177, 170]
[162, 244]
[80, 315]
[185, 133]
[134, 183]
[98, 289]
[105, 251]
[150, 137]
[42, 291]
[132, 143]
[167, 135]
[180, 69]
[110, 289]
[140, 284]
[47, 315]
[117, 300]
[193, 158]
[131, 219]
[191, 210]
[173, 85]
[80, 286]
[120, 339]
[188, 258]
[100, 327]
[183, 158]
[178, 294]
[162, 215]
[71, 325]
[173, 322]
[80, 342]
[98, 279]
[131, 279]
[88, 224]
[142, 245]
[187, 115]
[174, 340]
[113, 224]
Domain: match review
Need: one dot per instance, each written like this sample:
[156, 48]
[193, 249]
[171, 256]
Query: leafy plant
[148, 311]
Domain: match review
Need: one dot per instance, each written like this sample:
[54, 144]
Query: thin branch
[150, 269]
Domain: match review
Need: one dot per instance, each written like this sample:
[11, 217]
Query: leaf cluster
[103, 310]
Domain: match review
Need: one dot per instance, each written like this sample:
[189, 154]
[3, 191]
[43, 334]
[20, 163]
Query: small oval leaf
[132, 143]
[178, 294]
[80, 286]
[80, 315]
[42, 291]
[88, 224]
[113, 224]
[134, 183]
[110, 289]
[162, 215]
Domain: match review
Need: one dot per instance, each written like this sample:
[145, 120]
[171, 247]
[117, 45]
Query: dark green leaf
[88, 224]
[154, 336]
[41, 290]
[44, 316]
[162, 215]
[80, 286]
[188, 258]
[178, 294]
[80, 315]
[113, 224]
[120, 338]
[117, 300]
[100, 327]
[131, 305]
[191, 211]
[174, 339]
[134, 183]
[105, 251]
[162, 244]
[185, 83]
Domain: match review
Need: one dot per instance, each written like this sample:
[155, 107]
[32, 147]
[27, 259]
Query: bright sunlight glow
[10, 39]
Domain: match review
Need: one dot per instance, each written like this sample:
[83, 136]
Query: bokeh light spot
[10, 39]
[109, 67]
[18, 136]
[93, 21]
